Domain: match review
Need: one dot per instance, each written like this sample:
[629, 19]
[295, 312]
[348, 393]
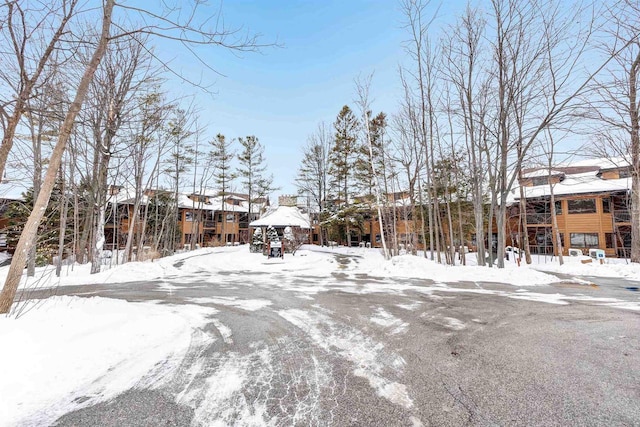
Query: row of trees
[498, 91]
[83, 107]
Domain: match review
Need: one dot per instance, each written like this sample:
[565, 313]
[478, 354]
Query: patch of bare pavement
[357, 351]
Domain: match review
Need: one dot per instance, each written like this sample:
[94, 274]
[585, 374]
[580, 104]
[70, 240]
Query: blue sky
[282, 93]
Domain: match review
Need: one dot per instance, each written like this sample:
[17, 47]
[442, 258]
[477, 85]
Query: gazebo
[281, 218]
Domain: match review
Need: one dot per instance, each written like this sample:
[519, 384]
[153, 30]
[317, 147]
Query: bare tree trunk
[64, 208]
[525, 225]
[634, 117]
[363, 94]
[31, 227]
[554, 225]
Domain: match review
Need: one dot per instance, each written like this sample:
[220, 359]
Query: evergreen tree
[257, 240]
[363, 173]
[251, 170]
[272, 234]
[180, 160]
[48, 230]
[221, 157]
[342, 158]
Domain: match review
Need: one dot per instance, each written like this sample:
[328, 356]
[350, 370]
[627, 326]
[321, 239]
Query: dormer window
[624, 173]
[540, 180]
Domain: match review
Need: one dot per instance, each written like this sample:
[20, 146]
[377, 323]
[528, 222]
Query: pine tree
[251, 170]
[343, 157]
[257, 240]
[179, 162]
[363, 173]
[272, 234]
[221, 157]
[48, 229]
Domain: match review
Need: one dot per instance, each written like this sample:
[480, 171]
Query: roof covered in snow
[12, 190]
[541, 172]
[283, 216]
[585, 182]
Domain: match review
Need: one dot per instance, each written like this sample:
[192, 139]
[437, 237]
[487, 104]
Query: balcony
[621, 216]
[539, 218]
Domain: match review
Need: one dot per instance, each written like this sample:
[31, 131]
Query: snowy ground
[68, 352]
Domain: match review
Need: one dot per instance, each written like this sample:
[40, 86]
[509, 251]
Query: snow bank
[411, 266]
[611, 267]
[70, 352]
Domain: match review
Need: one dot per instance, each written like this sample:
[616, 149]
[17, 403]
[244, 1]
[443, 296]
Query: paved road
[367, 351]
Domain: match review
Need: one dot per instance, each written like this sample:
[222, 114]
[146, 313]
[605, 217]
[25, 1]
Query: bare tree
[171, 25]
[31, 227]
[616, 104]
[144, 156]
[33, 34]
[535, 43]
[362, 100]
[466, 58]
[419, 49]
[312, 178]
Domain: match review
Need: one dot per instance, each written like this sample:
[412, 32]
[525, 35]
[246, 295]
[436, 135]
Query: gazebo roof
[283, 216]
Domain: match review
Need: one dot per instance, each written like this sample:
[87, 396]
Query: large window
[606, 205]
[584, 240]
[581, 206]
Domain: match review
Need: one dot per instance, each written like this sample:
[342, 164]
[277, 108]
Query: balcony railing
[622, 217]
[209, 224]
[539, 218]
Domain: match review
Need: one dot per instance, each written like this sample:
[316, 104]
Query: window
[188, 216]
[540, 180]
[606, 206]
[584, 240]
[230, 217]
[558, 204]
[581, 206]
[608, 237]
[624, 173]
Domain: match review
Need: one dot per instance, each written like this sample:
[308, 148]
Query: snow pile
[611, 267]
[411, 266]
[86, 350]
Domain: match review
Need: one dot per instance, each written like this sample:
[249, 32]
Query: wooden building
[592, 206]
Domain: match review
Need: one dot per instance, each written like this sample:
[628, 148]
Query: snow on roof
[12, 190]
[215, 204]
[541, 172]
[283, 216]
[602, 162]
[583, 183]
